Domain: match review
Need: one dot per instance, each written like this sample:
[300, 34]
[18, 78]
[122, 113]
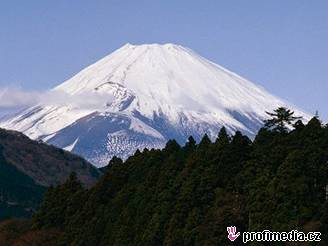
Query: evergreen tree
[59, 204]
[298, 125]
[223, 138]
[191, 144]
[280, 119]
[205, 142]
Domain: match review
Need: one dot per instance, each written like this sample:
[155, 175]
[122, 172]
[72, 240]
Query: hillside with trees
[27, 167]
[45, 164]
[188, 195]
[19, 194]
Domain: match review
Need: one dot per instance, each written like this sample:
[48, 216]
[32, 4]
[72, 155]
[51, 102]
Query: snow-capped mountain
[145, 94]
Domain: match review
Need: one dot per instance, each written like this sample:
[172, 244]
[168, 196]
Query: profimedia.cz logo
[269, 236]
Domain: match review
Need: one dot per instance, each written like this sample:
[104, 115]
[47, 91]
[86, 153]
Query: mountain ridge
[28, 168]
[144, 95]
[46, 165]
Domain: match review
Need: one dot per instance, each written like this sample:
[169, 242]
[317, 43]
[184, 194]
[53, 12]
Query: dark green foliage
[60, 204]
[280, 119]
[223, 137]
[19, 194]
[189, 195]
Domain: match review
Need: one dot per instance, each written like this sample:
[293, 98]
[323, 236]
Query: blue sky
[281, 45]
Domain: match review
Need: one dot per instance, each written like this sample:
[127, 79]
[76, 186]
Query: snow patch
[138, 126]
[71, 146]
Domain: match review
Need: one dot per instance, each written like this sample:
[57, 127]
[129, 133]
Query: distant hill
[27, 167]
[45, 164]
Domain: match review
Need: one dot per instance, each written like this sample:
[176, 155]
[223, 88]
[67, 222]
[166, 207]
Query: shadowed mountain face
[45, 165]
[27, 167]
[100, 137]
[140, 96]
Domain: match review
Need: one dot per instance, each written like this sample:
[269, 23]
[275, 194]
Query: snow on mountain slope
[148, 94]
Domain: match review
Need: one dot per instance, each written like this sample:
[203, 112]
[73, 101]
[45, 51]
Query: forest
[189, 195]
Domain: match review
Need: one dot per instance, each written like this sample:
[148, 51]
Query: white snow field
[147, 95]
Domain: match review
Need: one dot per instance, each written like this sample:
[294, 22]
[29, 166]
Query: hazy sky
[281, 45]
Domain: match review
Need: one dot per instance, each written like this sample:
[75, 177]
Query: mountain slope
[139, 97]
[43, 164]
[19, 194]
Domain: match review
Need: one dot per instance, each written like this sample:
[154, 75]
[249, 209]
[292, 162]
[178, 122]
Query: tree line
[188, 195]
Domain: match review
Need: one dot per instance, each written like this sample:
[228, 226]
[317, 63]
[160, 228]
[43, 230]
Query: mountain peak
[152, 92]
[169, 79]
[151, 45]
